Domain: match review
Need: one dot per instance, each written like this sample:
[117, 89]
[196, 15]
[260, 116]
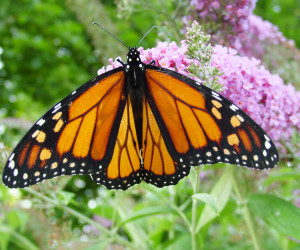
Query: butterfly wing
[159, 167]
[76, 136]
[124, 169]
[199, 126]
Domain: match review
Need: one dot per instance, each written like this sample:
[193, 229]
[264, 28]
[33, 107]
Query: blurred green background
[49, 48]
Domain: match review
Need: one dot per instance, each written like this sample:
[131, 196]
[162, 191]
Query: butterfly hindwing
[200, 126]
[124, 169]
[76, 136]
[159, 167]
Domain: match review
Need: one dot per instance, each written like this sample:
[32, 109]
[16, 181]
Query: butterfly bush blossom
[232, 23]
[264, 96]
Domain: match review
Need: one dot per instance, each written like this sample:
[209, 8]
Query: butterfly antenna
[111, 34]
[146, 34]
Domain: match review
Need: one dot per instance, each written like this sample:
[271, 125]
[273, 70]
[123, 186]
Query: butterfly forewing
[200, 126]
[76, 136]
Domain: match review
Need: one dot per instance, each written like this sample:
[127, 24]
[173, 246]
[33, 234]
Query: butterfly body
[138, 122]
[134, 72]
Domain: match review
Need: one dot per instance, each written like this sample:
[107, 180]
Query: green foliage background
[49, 48]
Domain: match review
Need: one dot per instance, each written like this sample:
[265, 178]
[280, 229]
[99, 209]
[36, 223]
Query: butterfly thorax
[134, 68]
[135, 81]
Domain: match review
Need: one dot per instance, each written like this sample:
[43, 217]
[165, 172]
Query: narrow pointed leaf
[221, 191]
[208, 199]
[278, 213]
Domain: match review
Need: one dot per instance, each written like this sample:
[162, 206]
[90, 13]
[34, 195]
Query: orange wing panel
[245, 139]
[23, 153]
[254, 136]
[84, 136]
[209, 125]
[167, 106]
[125, 160]
[34, 152]
[67, 136]
[157, 159]
[107, 111]
[91, 97]
[183, 111]
[179, 89]
[192, 126]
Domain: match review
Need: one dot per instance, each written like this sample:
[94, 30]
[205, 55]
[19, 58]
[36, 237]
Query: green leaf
[208, 199]
[278, 213]
[65, 197]
[221, 191]
[282, 176]
[101, 245]
[16, 238]
[17, 219]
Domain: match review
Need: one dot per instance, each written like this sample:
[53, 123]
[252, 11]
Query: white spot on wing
[216, 96]
[55, 110]
[41, 122]
[12, 156]
[16, 172]
[233, 107]
[57, 105]
[11, 165]
[35, 133]
[267, 144]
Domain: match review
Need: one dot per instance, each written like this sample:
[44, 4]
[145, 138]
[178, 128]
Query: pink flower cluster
[260, 34]
[264, 96]
[273, 105]
[230, 12]
[232, 24]
[227, 18]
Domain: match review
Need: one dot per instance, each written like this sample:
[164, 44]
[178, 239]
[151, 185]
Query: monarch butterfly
[138, 122]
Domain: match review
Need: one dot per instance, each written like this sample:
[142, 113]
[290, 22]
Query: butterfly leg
[121, 62]
[152, 62]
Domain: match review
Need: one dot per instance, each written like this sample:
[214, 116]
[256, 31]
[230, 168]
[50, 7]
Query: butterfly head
[133, 56]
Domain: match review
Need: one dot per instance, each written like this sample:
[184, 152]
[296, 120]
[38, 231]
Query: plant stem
[246, 214]
[173, 206]
[194, 209]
